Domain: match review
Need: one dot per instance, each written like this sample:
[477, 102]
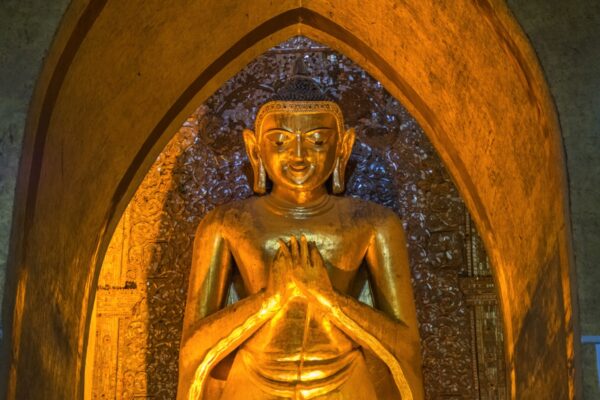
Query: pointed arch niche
[142, 287]
[122, 77]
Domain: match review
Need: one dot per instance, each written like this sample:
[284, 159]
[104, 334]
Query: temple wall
[26, 32]
[564, 37]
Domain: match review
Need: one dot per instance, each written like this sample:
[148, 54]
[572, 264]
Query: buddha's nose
[299, 148]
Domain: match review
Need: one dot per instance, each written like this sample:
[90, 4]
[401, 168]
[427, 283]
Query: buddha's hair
[300, 93]
[300, 86]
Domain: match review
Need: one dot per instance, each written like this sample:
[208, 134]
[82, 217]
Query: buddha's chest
[254, 246]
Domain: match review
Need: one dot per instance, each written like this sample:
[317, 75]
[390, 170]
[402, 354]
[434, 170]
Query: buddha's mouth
[299, 173]
[300, 167]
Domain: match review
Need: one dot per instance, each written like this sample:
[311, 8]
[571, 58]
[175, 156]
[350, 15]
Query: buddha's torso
[341, 230]
[300, 345]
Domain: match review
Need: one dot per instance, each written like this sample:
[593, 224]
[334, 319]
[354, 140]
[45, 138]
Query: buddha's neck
[299, 199]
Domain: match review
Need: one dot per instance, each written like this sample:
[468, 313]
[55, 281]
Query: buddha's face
[299, 150]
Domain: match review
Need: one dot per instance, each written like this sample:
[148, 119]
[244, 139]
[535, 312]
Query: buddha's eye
[318, 138]
[279, 138]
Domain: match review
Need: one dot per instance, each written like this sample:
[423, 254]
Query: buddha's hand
[280, 282]
[309, 272]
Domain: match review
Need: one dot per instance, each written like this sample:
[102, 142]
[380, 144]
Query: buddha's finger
[315, 256]
[275, 270]
[294, 248]
[284, 249]
[279, 254]
[281, 244]
[304, 254]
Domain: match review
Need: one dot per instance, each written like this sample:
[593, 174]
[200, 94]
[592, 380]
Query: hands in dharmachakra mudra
[299, 257]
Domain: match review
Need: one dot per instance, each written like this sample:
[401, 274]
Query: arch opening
[142, 285]
[497, 180]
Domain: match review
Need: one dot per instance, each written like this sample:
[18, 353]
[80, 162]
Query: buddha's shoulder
[358, 209]
[233, 212]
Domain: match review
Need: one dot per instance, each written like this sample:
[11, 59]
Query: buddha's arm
[395, 327]
[387, 258]
[389, 340]
[392, 331]
[209, 332]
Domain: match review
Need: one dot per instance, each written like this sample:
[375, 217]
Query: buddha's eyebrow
[323, 128]
[279, 129]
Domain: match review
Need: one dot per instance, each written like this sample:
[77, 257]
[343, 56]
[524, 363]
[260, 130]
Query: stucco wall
[564, 34]
[566, 37]
[26, 32]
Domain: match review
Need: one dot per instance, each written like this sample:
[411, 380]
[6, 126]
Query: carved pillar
[486, 323]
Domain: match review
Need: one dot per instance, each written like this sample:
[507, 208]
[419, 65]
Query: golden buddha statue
[299, 258]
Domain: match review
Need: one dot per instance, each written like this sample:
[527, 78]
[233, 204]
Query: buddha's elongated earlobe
[338, 178]
[260, 176]
[342, 160]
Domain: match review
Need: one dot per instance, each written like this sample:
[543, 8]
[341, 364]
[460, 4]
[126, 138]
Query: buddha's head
[299, 139]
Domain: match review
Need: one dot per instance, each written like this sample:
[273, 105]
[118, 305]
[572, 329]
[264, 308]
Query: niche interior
[140, 298]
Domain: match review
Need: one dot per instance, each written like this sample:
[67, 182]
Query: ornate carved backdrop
[143, 282]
